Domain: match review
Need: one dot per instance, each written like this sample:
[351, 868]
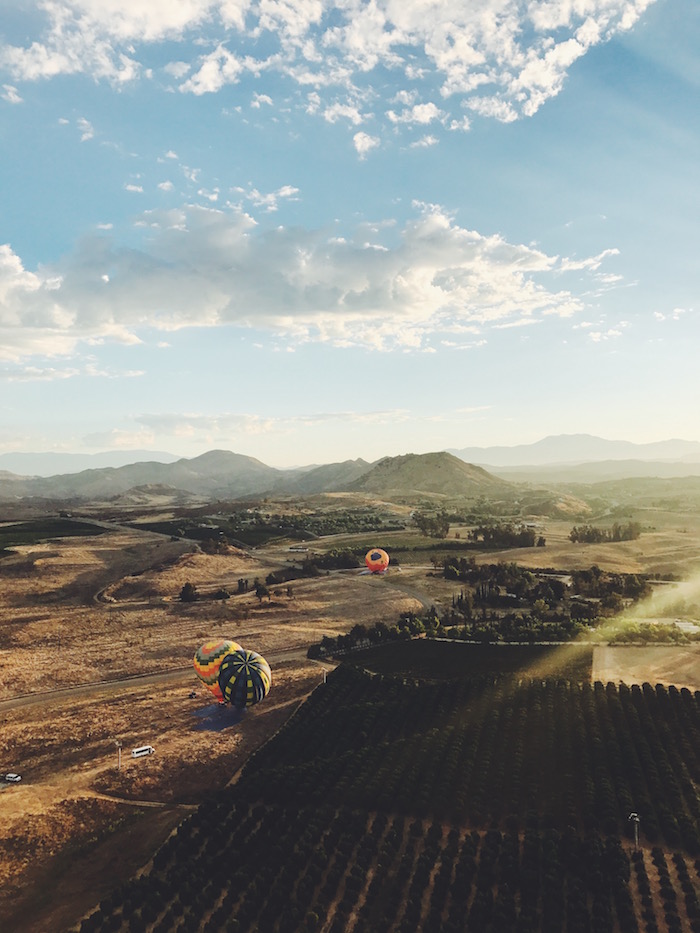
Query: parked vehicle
[142, 750]
[12, 778]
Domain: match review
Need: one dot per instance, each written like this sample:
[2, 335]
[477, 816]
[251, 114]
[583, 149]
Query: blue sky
[309, 231]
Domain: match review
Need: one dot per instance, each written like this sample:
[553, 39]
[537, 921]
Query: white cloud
[206, 267]
[502, 59]
[364, 143]
[268, 200]
[216, 70]
[86, 129]
[138, 189]
[224, 426]
[419, 113]
[166, 186]
[337, 111]
[10, 94]
[425, 142]
[177, 70]
[118, 439]
[260, 99]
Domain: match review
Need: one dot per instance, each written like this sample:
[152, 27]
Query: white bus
[142, 750]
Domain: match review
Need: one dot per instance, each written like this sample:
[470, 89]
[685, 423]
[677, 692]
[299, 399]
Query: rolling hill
[222, 474]
[435, 473]
[217, 473]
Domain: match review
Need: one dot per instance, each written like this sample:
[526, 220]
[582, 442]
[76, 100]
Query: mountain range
[579, 448]
[221, 474]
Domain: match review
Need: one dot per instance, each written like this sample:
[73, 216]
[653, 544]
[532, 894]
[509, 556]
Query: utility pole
[634, 818]
[119, 755]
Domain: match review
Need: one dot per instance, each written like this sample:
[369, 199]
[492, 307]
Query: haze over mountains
[579, 448]
[223, 474]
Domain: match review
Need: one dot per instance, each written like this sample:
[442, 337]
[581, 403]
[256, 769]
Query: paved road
[127, 683]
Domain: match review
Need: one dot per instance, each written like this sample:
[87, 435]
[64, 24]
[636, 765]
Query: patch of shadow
[216, 718]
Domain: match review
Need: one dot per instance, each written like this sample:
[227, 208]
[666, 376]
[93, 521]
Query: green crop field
[484, 804]
[430, 659]
[45, 529]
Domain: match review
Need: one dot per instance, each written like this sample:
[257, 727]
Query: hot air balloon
[244, 678]
[377, 560]
[207, 661]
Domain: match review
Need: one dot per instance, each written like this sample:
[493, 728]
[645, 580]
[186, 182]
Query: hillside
[223, 474]
[331, 477]
[435, 473]
[217, 473]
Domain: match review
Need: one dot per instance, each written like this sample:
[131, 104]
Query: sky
[309, 231]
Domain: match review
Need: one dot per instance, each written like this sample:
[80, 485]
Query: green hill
[435, 473]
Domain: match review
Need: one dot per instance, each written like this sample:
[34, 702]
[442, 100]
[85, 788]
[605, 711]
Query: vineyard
[484, 804]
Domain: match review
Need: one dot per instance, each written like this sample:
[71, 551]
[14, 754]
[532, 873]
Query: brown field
[90, 612]
[93, 611]
[655, 664]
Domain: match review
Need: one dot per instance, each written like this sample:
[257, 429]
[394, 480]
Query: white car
[12, 778]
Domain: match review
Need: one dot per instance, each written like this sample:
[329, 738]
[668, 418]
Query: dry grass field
[93, 611]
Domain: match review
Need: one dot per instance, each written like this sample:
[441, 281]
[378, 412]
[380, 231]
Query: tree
[261, 591]
[188, 594]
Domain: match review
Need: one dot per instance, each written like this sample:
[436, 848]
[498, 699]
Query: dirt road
[106, 687]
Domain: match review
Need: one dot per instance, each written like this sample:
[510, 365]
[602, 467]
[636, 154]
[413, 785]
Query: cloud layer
[500, 59]
[207, 267]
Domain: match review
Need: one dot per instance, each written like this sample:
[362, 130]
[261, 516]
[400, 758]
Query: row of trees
[488, 535]
[362, 636]
[590, 534]
[350, 872]
[479, 750]
[360, 816]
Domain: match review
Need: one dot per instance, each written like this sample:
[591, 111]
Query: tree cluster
[590, 534]
[432, 524]
[505, 535]
[362, 636]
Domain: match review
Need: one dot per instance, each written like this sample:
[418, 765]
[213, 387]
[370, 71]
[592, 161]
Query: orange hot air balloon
[377, 560]
[207, 661]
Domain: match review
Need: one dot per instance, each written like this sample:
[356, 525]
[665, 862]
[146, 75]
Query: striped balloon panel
[208, 658]
[244, 678]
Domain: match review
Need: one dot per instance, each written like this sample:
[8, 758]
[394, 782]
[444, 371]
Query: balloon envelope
[244, 678]
[207, 661]
[377, 560]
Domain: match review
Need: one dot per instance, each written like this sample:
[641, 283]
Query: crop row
[486, 750]
[273, 870]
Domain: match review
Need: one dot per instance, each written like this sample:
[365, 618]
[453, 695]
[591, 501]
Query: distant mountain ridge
[225, 475]
[53, 463]
[578, 448]
[222, 474]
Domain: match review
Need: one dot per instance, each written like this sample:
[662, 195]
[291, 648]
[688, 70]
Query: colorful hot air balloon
[244, 678]
[377, 560]
[207, 661]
